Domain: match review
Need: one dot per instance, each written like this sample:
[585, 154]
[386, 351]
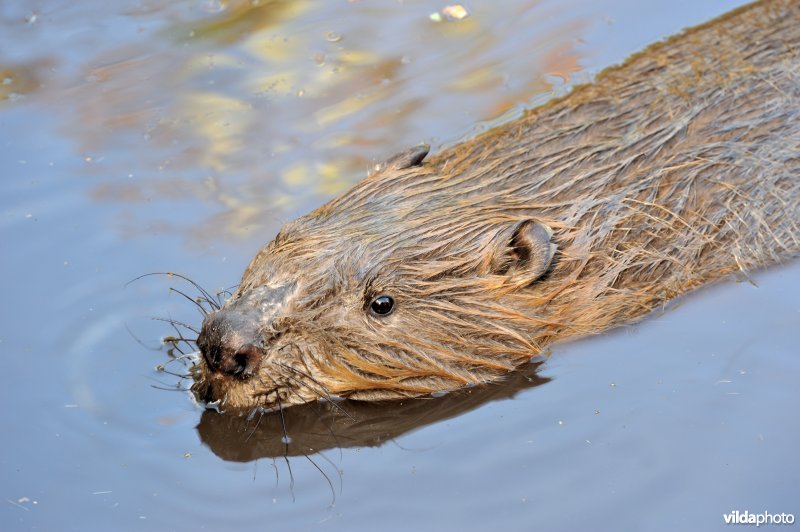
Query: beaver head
[395, 289]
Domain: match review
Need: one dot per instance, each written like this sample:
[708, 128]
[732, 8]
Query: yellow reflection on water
[273, 106]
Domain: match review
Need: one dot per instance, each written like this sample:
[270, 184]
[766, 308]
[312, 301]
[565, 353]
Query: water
[141, 137]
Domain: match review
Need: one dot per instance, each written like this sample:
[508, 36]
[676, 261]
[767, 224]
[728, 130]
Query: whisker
[283, 422]
[193, 300]
[321, 392]
[327, 478]
[185, 358]
[200, 289]
[139, 341]
[286, 447]
[228, 292]
[175, 342]
[260, 417]
[178, 339]
[176, 346]
[277, 472]
[329, 427]
[341, 481]
[176, 322]
[162, 369]
[224, 294]
[170, 388]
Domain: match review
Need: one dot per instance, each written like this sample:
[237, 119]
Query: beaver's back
[673, 169]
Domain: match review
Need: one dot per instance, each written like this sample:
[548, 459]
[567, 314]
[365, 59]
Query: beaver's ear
[406, 158]
[529, 252]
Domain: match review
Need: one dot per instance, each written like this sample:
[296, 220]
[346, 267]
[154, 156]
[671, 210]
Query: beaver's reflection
[315, 427]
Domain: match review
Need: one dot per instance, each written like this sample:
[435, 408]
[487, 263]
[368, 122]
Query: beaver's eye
[382, 305]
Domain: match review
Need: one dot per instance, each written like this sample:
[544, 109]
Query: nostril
[247, 359]
[240, 363]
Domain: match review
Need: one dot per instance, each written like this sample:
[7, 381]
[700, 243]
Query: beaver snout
[227, 350]
[232, 340]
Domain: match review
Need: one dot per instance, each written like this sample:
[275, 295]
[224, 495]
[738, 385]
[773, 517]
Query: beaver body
[675, 169]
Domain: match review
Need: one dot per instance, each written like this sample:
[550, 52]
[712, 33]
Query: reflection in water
[237, 19]
[314, 427]
[259, 108]
[16, 81]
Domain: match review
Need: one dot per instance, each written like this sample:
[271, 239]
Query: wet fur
[675, 169]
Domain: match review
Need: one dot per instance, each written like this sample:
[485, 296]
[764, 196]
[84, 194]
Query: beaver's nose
[232, 339]
[225, 351]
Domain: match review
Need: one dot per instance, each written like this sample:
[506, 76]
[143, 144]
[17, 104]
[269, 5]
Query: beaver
[677, 168]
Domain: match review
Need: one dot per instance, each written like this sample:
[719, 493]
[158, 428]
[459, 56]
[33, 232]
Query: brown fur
[677, 168]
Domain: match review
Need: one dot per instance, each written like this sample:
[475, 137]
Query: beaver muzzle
[234, 340]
